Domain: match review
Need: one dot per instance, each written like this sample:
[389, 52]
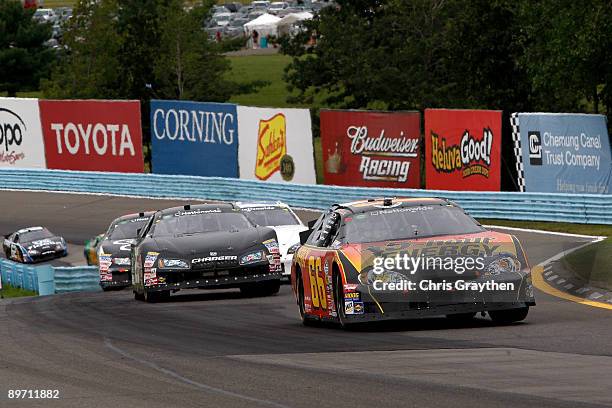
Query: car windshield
[222, 17]
[35, 235]
[127, 229]
[271, 217]
[196, 222]
[237, 23]
[41, 12]
[407, 222]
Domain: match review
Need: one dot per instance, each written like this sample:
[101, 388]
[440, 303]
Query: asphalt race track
[218, 349]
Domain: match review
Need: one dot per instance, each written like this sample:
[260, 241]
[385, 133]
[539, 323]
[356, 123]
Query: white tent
[285, 23]
[264, 24]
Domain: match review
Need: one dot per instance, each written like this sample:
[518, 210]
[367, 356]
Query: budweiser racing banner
[21, 141]
[463, 150]
[371, 149]
[92, 135]
[562, 152]
[275, 145]
[198, 139]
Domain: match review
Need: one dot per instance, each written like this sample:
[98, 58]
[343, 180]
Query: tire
[306, 321]
[139, 296]
[509, 315]
[461, 316]
[260, 289]
[154, 297]
[106, 288]
[338, 289]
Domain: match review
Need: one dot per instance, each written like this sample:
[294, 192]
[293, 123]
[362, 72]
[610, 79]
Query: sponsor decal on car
[209, 259]
[150, 259]
[349, 307]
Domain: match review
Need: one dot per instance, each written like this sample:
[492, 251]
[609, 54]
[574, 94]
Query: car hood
[45, 243]
[222, 242]
[117, 246]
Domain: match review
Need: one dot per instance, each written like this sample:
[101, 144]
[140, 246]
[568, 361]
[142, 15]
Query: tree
[24, 58]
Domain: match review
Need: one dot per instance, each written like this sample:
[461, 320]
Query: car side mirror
[304, 235]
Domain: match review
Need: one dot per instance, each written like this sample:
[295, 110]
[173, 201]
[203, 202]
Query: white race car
[283, 220]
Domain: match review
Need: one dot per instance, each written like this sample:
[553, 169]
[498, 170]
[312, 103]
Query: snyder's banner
[21, 141]
[562, 152]
[276, 145]
[462, 150]
[92, 135]
[371, 149]
[193, 138]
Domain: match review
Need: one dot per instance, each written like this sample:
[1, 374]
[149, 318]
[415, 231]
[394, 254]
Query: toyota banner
[562, 152]
[92, 135]
[371, 149]
[193, 138]
[462, 150]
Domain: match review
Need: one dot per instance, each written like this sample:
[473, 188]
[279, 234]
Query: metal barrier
[577, 208]
[48, 280]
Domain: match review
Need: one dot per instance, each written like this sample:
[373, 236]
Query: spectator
[218, 36]
[255, 39]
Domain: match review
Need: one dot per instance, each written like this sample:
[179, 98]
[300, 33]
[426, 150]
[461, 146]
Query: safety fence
[575, 208]
[48, 280]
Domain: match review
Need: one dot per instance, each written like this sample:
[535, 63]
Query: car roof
[378, 203]
[29, 229]
[258, 204]
[224, 207]
[127, 217]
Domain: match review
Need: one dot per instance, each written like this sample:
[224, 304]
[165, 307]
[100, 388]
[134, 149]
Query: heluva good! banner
[371, 149]
[193, 138]
[275, 145]
[92, 135]
[21, 141]
[462, 150]
[562, 153]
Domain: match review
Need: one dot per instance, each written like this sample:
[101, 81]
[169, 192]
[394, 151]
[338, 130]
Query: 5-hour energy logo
[472, 156]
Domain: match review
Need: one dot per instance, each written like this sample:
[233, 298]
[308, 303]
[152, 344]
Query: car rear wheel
[509, 315]
[339, 299]
[156, 296]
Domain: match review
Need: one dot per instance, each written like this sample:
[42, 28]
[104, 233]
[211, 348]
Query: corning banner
[463, 150]
[92, 135]
[276, 145]
[371, 149]
[193, 138]
[562, 152]
[21, 141]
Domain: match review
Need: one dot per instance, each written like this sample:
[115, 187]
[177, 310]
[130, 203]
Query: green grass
[593, 263]
[10, 292]
[265, 68]
[59, 3]
[584, 229]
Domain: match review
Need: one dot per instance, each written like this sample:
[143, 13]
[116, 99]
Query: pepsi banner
[21, 139]
[562, 153]
[193, 138]
[462, 149]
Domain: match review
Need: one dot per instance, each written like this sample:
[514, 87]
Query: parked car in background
[233, 6]
[277, 6]
[235, 28]
[45, 15]
[261, 4]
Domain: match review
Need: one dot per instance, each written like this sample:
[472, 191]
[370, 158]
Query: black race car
[34, 244]
[114, 250]
[204, 246]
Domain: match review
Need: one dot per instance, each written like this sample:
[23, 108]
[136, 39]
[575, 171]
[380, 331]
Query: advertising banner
[276, 145]
[562, 152]
[463, 150]
[92, 135]
[21, 141]
[192, 138]
[371, 149]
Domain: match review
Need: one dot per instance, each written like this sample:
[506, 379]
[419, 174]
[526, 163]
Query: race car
[115, 248]
[400, 258]
[204, 246]
[281, 218]
[34, 244]
[91, 249]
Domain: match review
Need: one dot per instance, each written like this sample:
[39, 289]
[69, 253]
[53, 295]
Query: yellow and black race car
[388, 258]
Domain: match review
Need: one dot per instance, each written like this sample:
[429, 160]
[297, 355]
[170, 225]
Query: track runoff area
[220, 349]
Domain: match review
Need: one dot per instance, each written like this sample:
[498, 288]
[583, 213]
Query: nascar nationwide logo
[12, 131]
[383, 158]
[271, 146]
[471, 156]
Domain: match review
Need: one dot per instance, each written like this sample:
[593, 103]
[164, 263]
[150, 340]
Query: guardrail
[48, 280]
[577, 208]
